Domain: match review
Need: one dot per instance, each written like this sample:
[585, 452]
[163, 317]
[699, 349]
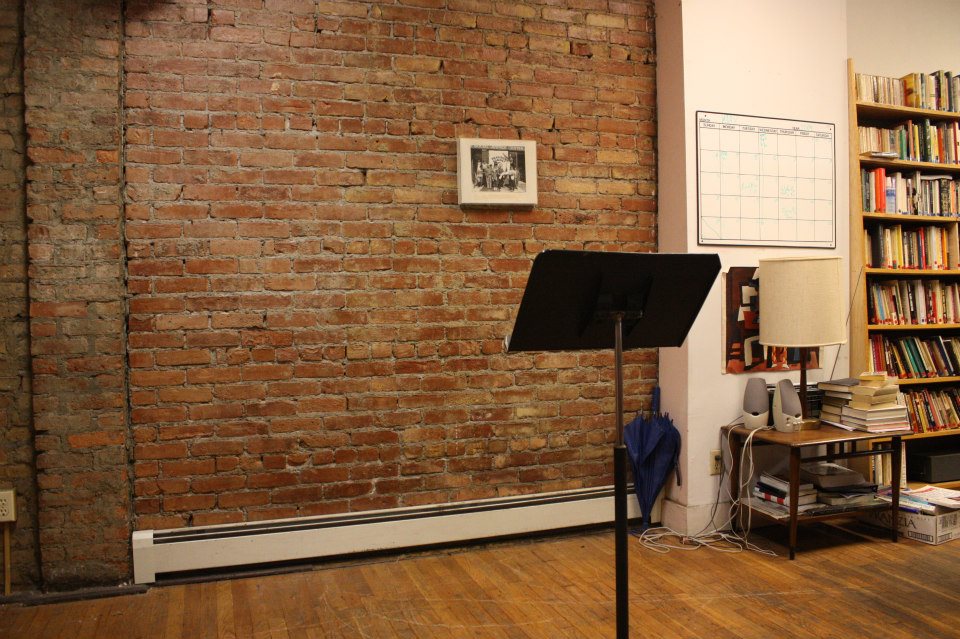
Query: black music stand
[583, 300]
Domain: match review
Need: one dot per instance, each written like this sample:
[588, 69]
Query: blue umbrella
[653, 445]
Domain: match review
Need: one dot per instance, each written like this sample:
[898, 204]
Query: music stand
[583, 300]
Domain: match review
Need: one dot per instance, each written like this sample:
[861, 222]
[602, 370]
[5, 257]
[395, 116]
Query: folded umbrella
[653, 446]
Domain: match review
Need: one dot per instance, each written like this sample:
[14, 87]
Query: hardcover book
[829, 474]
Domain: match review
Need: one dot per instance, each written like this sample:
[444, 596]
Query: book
[829, 474]
[828, 411]
[864, 487]
[782, 483]
[878, 401]
[842, 385]
[889, 389]
[841, 395]
[876, 424]
[836, 402]
[882, 427]
[848, 499]
[772, 490]
[779, 492]
[802, 500]
[894, 411]
[769, 508]
[893, 427]
[876, 419]
[873, 380]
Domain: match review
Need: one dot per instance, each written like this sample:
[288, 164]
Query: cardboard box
[930, 529]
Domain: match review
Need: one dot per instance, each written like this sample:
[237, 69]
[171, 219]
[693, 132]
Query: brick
[188, 502]
[96, 439]
[173, 450]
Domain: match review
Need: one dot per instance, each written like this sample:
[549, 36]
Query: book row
[917, 301]
[913, 141]
[939, 90]
[898, 247]
[914, 357]
[910, 193]
[933, 409]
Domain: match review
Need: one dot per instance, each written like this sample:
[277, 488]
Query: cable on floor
[662, 539]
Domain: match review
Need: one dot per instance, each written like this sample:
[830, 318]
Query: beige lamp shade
[800, 301]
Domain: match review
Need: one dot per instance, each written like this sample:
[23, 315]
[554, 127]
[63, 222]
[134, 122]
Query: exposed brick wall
[16, 438]
[77, 315]
[315, 325]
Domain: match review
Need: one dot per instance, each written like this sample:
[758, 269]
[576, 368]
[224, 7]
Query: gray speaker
[787, 414]
[756, 404]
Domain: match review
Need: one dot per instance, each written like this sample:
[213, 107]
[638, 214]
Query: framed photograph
[496, 172]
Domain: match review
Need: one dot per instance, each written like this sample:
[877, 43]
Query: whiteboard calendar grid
[765, 181]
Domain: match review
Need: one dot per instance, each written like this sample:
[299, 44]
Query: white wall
[920, 35]
[752, 57]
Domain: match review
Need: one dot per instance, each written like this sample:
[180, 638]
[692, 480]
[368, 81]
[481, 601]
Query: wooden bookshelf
[944, 225]
[925, 381]
[894, 113]
[912, 327]
[901, 165]
[903, 217]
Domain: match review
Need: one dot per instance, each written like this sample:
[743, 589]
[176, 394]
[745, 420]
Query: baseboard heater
[231, 545]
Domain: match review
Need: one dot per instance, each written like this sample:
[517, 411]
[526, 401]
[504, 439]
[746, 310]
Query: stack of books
[874, 406]
[776, 490]
[836, 395]
[838, 485]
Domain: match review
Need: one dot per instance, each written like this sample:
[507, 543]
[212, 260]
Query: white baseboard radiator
[232, 545]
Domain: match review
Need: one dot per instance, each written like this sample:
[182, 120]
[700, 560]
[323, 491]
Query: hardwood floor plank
[242, 613]
[225, 615]
[173, 628]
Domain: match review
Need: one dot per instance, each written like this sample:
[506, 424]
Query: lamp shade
[800, 301]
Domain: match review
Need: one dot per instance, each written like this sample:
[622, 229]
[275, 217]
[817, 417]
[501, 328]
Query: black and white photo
[496, 172]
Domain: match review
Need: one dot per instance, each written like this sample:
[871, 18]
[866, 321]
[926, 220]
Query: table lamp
[801, 306]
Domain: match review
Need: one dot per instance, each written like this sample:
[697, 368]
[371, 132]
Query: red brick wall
[315, 325]
[77, 315]
[16, 439]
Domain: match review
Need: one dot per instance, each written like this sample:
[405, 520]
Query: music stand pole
[620, 491]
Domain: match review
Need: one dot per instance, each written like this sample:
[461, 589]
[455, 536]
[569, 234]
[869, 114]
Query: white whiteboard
[765, 181]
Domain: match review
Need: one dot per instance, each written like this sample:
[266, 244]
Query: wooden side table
[840, 443]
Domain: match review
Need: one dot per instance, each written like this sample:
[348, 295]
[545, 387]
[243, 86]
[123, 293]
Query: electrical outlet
[716, 462]
[8, 508]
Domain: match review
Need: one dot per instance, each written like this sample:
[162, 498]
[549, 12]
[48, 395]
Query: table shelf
[840, 443]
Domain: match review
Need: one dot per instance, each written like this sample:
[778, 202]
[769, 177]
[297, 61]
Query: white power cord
[656, 538]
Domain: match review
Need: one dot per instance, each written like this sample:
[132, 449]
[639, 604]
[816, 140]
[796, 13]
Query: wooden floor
[846, 582]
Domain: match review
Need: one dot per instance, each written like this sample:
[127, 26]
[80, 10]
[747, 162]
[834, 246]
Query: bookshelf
[905, 250]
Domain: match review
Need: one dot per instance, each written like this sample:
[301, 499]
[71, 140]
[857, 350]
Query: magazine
[935, 495]
[926, 499]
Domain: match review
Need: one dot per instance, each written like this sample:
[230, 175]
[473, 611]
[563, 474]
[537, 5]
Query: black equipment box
[934, 466]
[814, 399]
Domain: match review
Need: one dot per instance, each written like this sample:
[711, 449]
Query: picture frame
[496, 172]
[740, 325]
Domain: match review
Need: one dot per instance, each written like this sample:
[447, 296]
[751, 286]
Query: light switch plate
[8, 507]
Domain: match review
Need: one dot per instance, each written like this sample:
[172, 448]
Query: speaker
[787, 415]
[756, 404]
